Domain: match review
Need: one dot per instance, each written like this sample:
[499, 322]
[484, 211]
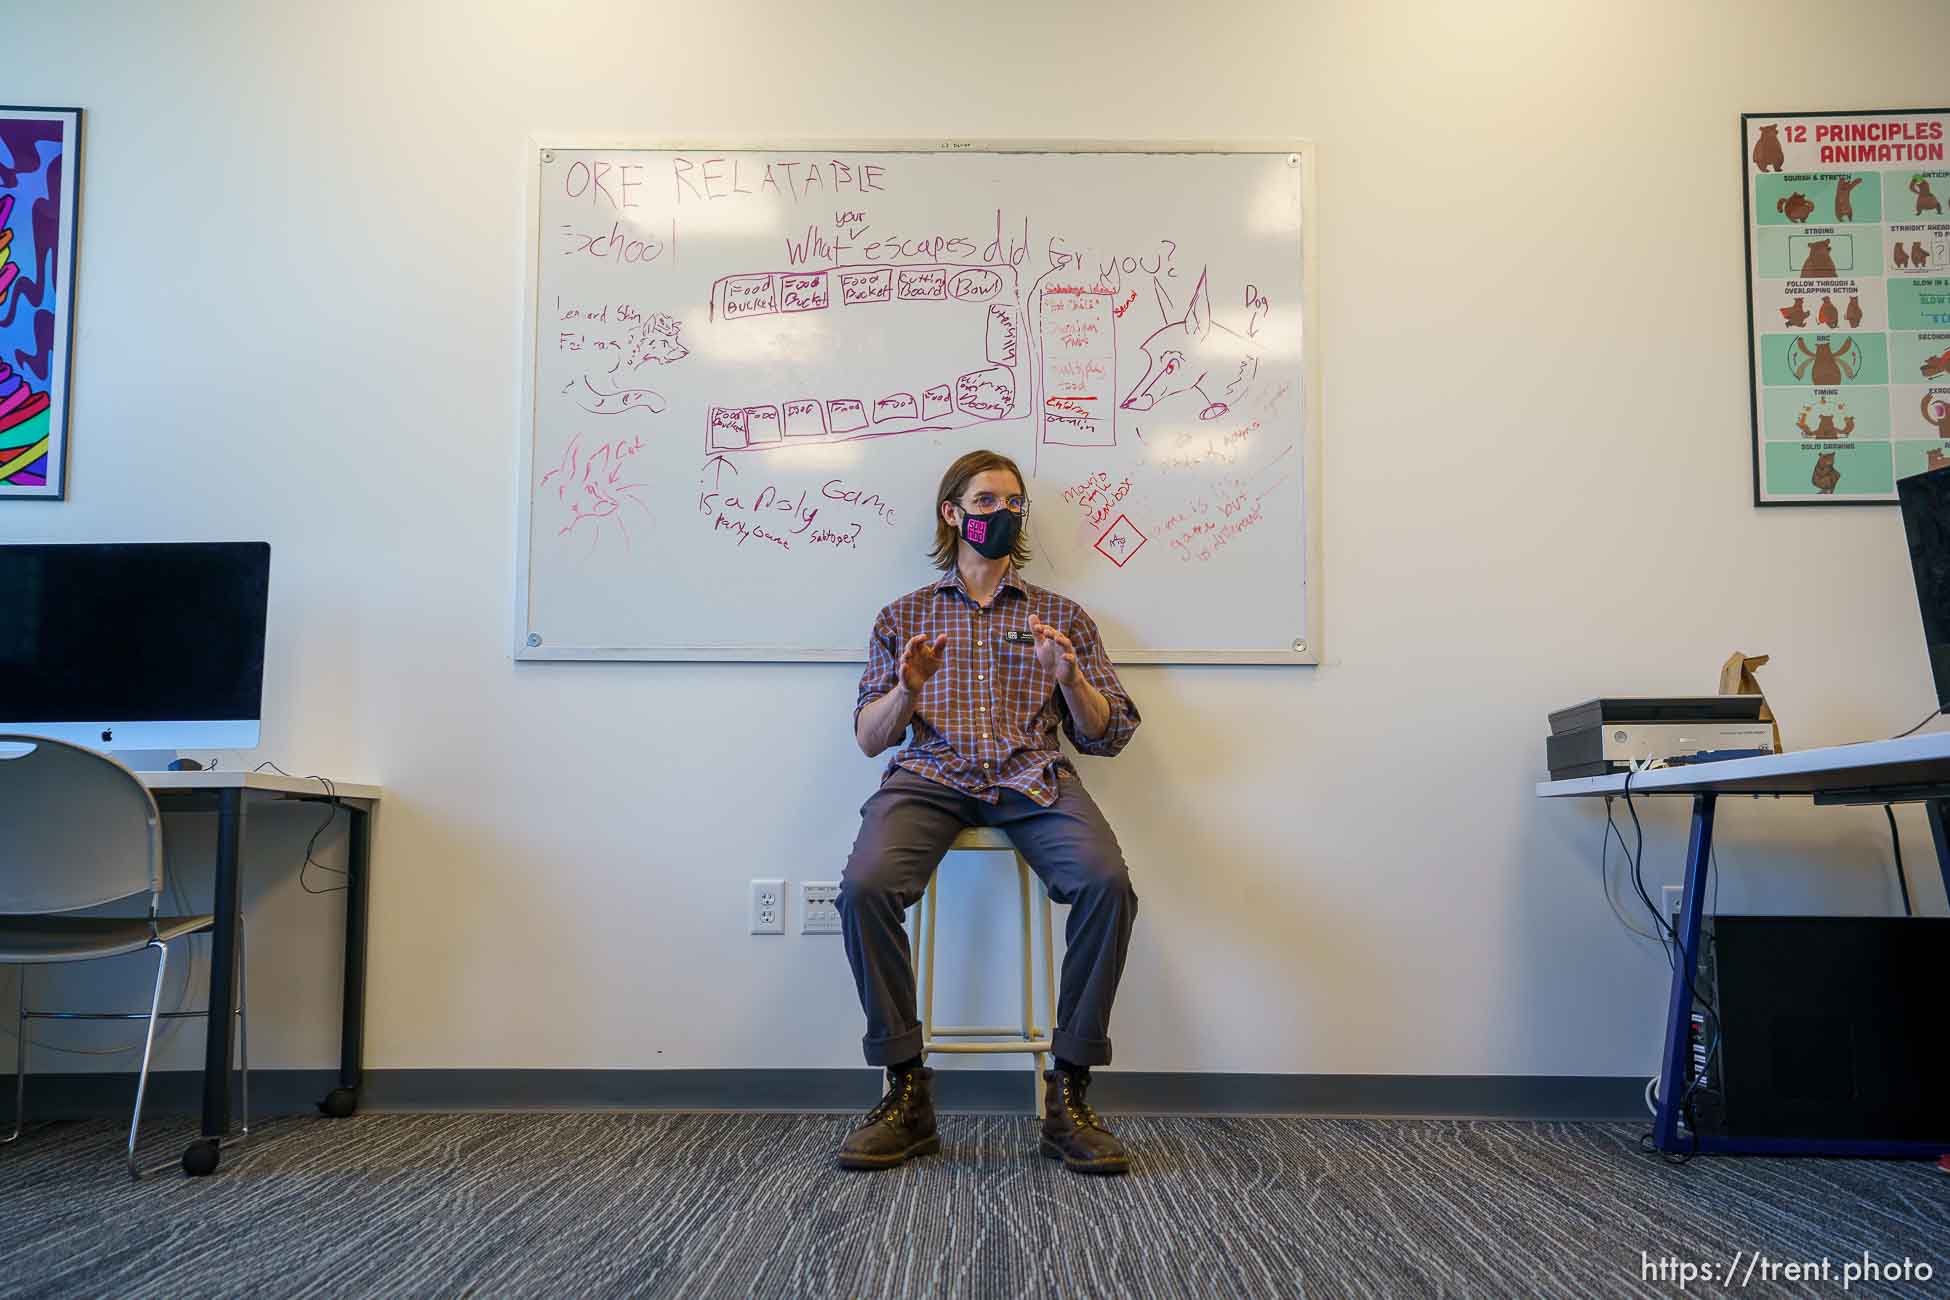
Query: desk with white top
[229, 795]
[1915, 769]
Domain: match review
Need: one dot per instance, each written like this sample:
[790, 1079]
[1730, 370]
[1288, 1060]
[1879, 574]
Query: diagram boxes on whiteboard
[728, 428]
[733, 428]
[846, 415]
[1078, 330]
[805, 419]
[986, 394]
[803, 292]
[896, 406]
[922, 284]
[933, 346]
[876, 285]
[762, 424]
[746, 295]
[1002, 335]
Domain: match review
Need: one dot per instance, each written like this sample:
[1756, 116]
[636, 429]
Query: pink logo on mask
[978, 531]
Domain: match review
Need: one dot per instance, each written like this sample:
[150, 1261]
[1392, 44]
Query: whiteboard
[745, 370]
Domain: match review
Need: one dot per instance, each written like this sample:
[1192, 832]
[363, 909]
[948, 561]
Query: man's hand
[882, 722]
[921, 659]
[1054, 653]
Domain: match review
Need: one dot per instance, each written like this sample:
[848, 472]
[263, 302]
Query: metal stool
[1030, 1037]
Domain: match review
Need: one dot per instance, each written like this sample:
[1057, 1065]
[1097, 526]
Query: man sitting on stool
[1018, 662]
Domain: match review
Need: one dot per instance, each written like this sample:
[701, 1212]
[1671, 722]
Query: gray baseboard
[1517, 1097]
[171, 1092]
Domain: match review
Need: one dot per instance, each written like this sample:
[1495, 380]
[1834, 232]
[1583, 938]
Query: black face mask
[994, 534]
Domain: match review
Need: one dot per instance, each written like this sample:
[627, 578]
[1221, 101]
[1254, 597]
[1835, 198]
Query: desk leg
[344, 1099]
[202, 1154]
[1938, 811]
[1676, 1069]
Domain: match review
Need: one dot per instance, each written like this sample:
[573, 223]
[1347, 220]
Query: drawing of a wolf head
[1194, 353]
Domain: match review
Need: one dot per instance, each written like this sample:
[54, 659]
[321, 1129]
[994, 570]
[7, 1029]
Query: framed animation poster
[1848, 301]
[40, 157]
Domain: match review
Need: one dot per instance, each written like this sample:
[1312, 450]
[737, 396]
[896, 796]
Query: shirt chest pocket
[1021, 678]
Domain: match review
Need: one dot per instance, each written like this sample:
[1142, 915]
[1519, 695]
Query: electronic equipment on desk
[136, 648]
[1617, 733]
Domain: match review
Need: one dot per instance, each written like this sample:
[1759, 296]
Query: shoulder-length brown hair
[953, 484]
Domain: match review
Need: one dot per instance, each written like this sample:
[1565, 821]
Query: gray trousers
[906, 827]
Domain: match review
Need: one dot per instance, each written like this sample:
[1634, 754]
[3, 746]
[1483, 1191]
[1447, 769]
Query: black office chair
[81, 830]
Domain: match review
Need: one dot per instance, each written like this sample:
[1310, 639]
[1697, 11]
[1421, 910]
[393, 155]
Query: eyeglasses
[983, 503]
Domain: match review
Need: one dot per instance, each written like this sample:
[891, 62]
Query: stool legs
[1030, 1032]
[922, 942]
[1049, 982]
[1027, 1036]
[930, 904]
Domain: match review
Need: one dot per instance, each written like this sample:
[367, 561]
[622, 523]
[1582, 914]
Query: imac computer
[138, 649]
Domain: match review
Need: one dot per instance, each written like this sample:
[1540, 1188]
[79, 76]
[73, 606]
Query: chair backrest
[76, 829]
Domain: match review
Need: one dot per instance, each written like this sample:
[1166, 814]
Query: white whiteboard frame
[529, 341]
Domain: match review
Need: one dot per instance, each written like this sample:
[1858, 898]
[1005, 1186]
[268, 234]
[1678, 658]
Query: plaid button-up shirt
[987, 720]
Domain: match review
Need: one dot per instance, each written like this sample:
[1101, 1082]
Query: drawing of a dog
[1194, 353]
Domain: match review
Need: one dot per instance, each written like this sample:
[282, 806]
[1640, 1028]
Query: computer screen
[134, 646]
[1926, 520]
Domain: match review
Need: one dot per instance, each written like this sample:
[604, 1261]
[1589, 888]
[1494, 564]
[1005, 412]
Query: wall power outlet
[768, 907]
[819, 911]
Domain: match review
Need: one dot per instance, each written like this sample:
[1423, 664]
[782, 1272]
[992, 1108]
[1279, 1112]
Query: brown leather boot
[1072, 1132]
[897, 1129]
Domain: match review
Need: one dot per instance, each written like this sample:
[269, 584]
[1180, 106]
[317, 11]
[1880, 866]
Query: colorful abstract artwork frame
[40, 170]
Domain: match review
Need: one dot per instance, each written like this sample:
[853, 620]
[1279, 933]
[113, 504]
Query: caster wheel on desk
[339, 1103]
[201, 1156]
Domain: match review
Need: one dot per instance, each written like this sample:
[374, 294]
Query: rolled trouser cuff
[1080, 1051]
[894, 1050]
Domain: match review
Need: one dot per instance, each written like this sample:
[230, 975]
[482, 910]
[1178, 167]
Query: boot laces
[891, 1109]
[1078, 1109]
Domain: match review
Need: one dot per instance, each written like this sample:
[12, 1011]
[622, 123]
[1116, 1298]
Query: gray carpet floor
[693, 1205]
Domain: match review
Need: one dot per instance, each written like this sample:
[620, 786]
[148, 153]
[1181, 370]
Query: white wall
[298, 318]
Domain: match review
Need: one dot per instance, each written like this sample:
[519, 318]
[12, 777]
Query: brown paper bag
[1737, 678]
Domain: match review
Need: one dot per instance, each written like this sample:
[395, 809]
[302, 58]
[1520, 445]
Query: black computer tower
[1821, 1027]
